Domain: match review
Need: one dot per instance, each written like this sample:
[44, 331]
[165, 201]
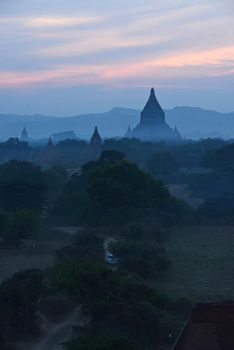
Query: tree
[87, 246]
[22, 224]
[55, 178]
[4, 220]
[111, 156]
[25, 223]
[19, 296]
[221, 159]
[119, 191]
[115, 301]
[162, 164]
[145, 258]
[21, 186]
[111, 192]
[4, 345]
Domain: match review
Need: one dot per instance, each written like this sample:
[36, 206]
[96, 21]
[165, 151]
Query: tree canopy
[162, 164]
[21, 186]
[112, 190]
[19, 296]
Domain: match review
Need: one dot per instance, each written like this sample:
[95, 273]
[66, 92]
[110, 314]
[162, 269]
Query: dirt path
[56, 334]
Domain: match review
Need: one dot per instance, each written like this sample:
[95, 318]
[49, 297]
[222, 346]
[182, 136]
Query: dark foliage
[145, 258]
[162, 165]
[102, 342]
[87, 246]
[4, 345]
[21, 186]
[55, 179]
[18, 303]
[218, 209]
[115, 301]
[112, 191]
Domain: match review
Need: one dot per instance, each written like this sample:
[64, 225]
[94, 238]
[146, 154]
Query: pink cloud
[187, 64]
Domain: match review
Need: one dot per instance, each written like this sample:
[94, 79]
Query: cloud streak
[190, 64]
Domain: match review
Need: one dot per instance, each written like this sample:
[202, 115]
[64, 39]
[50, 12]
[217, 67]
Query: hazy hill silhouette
[192, 122]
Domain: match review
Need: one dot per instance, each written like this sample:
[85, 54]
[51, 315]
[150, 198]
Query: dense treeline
[73, 153]
[25, 192]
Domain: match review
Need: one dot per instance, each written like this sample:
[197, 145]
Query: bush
[87, 246]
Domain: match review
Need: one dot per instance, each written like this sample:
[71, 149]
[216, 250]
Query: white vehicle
[111, 259]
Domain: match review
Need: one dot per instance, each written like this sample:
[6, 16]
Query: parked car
[111, 259]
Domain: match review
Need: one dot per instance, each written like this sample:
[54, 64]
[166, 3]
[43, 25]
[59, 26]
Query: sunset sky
[65, 57]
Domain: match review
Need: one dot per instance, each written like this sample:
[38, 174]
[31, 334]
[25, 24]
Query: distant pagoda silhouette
[96, 140]
[153, 126]
[48, 153]
[128, 132]
[96, 144]
[50, 144]
[24, 135]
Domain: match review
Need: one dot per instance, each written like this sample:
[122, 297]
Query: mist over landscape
[193, 122]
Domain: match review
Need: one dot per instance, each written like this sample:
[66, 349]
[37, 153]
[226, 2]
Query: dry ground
[202, 263]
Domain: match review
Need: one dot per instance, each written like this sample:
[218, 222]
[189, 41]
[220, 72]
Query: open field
[26, 257]
[202, 263]
[182, 192]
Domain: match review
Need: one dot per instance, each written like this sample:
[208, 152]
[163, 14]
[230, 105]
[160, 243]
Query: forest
[107, 237]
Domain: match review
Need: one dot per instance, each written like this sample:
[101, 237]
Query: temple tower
[96, 140]
[24, 135]
[153, 126]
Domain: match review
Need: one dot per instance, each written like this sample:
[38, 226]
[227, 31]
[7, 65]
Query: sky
[68, 57]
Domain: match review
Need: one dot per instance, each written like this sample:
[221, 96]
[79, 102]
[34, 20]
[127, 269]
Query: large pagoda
[153, 126]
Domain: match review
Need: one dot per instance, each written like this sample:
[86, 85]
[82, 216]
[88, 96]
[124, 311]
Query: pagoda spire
[128, 132]
[96, 139]
[50, 143]
[24, 135]
[152, 110]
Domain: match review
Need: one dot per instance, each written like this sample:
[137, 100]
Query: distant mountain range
[192, 122]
